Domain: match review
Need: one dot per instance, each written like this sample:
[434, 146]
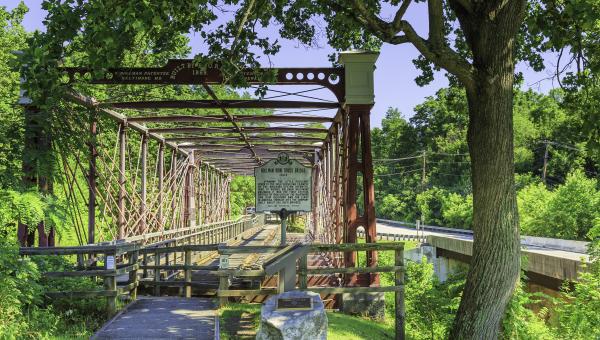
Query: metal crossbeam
[223, 129]
[220, 104]
[239, 118]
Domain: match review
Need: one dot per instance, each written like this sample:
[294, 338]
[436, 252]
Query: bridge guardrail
[535, 241]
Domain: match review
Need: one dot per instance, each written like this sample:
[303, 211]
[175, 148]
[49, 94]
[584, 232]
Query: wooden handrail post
[188, 273]
[157, 274]
[399, 295]
[302, 274]
[110, 284]
[145, 262]
[133, 277]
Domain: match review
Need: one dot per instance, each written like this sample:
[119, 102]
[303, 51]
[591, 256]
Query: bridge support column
[359, 100]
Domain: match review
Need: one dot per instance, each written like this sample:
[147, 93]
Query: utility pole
[424, 155]
[545, 161]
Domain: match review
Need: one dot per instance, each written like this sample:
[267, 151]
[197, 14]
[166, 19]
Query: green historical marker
[283, 185]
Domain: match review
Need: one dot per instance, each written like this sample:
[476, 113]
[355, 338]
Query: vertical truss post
[189, 214]
[173, 186]
[229, 197]
[161, 183]
[92, 179]
[201, 193]
[144, 180]
[359, 100]
[121, 197]
[336, 183]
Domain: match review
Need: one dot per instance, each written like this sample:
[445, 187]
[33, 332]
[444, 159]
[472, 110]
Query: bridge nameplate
[283, 183]
[295, 304]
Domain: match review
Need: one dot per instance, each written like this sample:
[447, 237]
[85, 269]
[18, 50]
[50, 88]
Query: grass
[240, 321]
[343, 326]
[236, 317]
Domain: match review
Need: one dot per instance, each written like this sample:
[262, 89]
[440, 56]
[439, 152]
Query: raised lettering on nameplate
[283, 183]
[295, 304]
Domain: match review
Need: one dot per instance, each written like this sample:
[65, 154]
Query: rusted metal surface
[220, 104]
[150, 192]
[185, 72]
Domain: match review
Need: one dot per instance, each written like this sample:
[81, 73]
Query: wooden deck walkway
[266, 236]
[163, 318]
[168, 317]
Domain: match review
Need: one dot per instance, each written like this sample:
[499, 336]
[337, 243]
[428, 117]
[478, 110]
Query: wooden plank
[127, 269]
[246, 292]
[81, 294]
[399, 309]
[342, 290]
[238, 272]
[100, 272]
[110, 249]
[285, 258]
[249, 249]
[355, 270]
[177, 267]
[127, 288]
[182, 248]
[344, 247]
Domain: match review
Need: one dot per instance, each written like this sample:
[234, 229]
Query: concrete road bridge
[550, 262]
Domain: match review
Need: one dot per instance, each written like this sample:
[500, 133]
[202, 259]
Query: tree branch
[442, 56]
[436, 23]
[434, 49]
[400, 15]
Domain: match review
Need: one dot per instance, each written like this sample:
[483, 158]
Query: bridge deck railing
[105, 265]
[117, 263]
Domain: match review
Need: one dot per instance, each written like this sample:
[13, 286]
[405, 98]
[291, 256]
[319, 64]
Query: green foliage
[520, 322]
[457, 211]
[242, 194]
[12, 38]
[578, 316]
[568, 212]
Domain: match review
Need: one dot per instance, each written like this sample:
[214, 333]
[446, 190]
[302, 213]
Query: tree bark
[495, 263]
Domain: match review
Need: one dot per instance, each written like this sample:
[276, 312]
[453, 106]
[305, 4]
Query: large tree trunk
[495, 263]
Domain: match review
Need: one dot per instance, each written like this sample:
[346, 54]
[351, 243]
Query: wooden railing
[395, 237]
[121, 259]
[169, 258]
[284, 261]
[109, 255]
[178, 262]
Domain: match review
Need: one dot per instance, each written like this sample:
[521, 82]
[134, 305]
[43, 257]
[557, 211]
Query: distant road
[573, 250]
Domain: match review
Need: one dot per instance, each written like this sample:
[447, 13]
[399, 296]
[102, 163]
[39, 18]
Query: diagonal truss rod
[230, 117]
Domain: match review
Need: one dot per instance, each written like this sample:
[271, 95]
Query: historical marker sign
[283, 183]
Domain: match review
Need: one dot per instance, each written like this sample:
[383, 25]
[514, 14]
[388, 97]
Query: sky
[394, 74]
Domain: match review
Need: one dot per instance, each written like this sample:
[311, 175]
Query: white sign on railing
[283, 183]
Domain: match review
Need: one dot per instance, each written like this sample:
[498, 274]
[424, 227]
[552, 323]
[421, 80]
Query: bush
[457, 211]
[568, 212]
